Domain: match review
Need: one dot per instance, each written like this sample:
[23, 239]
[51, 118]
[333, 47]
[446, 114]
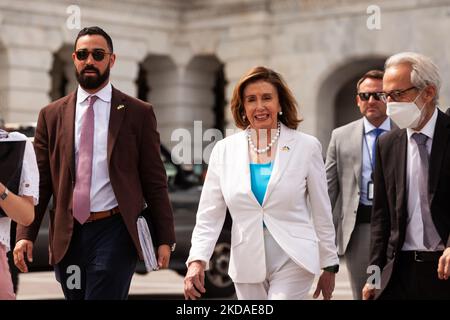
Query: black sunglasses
[365, 96]
[97, 54]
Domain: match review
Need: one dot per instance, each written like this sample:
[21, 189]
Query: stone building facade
[185, 56]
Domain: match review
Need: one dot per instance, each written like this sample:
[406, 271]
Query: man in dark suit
[349, 165]
[98, 152]
[411, 210]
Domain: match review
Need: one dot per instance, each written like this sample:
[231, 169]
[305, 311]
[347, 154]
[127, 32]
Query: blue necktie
[377, 132]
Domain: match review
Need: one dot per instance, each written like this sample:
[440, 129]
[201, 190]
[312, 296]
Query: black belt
[363, 214]
[421, 256]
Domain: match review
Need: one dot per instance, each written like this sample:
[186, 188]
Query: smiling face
[261, 105]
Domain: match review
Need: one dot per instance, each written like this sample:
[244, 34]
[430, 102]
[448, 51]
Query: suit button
[354, 212]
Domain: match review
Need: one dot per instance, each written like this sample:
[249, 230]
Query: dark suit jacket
[136, 171]
[389, 215]
[447, 112]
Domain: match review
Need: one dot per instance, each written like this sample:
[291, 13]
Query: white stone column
[25, 70]
[199, 81]
[129, 53]
[183, 98]
[124, 74]
[164, 80]
[24, 83]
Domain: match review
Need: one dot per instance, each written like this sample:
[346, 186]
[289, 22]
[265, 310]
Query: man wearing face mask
[349, 166]
[410, 224]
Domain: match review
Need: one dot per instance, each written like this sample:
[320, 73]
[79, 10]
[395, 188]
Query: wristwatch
[4, 194]
[333, 269]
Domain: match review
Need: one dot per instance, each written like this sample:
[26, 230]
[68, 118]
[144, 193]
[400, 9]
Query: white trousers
[285, 280]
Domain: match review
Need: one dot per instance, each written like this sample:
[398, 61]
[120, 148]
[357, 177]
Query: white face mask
[405, 114]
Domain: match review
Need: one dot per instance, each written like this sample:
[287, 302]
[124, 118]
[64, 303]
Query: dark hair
[286, 98]
[372, 74]
[92, 31]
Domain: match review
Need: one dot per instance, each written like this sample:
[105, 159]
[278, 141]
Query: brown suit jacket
[136, 171]
[390, 212]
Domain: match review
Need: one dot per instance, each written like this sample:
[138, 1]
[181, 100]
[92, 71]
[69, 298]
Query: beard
[92, 82]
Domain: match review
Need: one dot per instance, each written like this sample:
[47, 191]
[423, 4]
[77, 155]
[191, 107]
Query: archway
[62, 74]
[336, 96]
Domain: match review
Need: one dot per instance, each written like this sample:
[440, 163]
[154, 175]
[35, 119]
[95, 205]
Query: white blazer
[296, 208]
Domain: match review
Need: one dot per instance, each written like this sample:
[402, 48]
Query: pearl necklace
[272, 142]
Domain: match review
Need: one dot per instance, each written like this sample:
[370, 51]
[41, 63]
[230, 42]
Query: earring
[243, 117]
[280, 113]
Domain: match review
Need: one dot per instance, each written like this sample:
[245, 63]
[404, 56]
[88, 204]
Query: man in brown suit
[98, 153]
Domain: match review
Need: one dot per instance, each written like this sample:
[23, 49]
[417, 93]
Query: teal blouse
[260, 175]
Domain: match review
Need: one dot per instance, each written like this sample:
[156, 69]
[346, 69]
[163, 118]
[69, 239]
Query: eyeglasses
[97, 54]
[365, 96]
[395, 95]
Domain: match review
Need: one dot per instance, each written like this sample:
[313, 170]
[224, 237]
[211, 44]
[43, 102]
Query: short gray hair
[424, 71]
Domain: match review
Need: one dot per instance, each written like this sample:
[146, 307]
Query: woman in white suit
[272, 179]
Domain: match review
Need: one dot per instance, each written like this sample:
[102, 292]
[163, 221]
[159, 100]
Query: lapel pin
[120, 107]
[285, 148]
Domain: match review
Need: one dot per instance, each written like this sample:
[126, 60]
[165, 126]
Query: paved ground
[156, 285]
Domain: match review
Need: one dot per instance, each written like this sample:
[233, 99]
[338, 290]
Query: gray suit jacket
[343, 166]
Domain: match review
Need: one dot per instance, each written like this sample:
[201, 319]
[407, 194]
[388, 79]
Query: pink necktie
[82, 191]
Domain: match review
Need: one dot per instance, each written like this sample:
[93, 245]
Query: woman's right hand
[194, 281]
[22, 247]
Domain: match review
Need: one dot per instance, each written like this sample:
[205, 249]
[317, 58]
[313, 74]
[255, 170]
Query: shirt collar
[104, 94]
[368, 127]
[428, 129]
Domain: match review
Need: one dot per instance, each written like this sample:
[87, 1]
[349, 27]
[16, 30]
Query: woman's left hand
[326, 285]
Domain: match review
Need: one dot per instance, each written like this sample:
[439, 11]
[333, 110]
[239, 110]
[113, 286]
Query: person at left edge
[125, 169]
[20, 173]
[267, 175]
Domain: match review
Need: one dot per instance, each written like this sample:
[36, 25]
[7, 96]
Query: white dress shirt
[29, 182]
[102, 194]
[414, 224]
[367, 156]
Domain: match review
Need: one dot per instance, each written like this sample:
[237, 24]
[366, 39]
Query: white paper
[145, 238]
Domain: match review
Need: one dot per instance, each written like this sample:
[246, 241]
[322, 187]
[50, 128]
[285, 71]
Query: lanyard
[368, 151]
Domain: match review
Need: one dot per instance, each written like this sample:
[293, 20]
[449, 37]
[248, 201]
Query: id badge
[370, 190]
